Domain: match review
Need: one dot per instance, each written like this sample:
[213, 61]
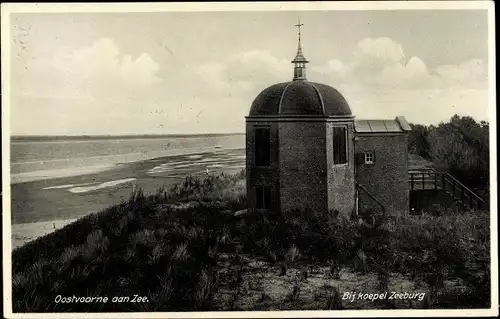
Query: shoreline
[44, 206]
[50, 138]
[59, 173]
[64, 198]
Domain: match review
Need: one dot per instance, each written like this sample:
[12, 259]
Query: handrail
[464, 187]
[422, 169]
[371, 196]
[445, 177]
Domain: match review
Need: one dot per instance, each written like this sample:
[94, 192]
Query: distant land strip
[24, 138]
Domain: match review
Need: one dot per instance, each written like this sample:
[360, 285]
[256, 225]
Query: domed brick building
[306, 151]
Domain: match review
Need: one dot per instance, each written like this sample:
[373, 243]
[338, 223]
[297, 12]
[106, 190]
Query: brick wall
[387, 178]
[263, 176]
[341, 182]
[302, 174]
[302, 170]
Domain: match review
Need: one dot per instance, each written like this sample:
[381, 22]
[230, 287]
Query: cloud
[371, 56]
[382, 49]
[99, 89]
[412, 74]
[99, 71]
[381, 62]
[242, 73]
[103, 70]
[90, 89]
[225, 89]
[468, 73]
[378, 81]
[424, 106]
[334, 68]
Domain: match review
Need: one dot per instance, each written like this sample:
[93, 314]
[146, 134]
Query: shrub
[206, 288]
[171, 252]
[333, 299]
[295, 293]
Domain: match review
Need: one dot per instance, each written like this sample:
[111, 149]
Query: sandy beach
[26, 232]
[43, 206]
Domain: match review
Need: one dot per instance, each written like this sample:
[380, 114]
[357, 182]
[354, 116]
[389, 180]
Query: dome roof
[300, 98]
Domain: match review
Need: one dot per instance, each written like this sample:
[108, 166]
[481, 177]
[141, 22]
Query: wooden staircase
[430, 179]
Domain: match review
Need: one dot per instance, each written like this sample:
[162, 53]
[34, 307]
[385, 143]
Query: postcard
[252, 159]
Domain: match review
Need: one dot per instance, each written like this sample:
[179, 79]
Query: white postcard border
[10, 8]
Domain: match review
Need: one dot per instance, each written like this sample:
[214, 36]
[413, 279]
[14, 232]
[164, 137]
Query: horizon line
[200, 134]
[123, 135]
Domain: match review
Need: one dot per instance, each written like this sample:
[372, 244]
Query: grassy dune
[183, 250]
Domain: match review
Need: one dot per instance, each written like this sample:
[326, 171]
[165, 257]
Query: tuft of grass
[334, 269]
[295, 293]
[233, 299]
[360, 261]
[265, 297]
[330, 296]
[383, 278]
[239, 274]
[283, 268]
[206, 288]
[181, 252]
[333, 299]
[292, 254]
[169, 245]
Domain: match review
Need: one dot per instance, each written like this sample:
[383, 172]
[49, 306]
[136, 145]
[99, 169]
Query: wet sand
[41, 207]
[23, 233]
[74, 197]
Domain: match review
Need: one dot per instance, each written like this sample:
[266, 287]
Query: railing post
[435, 181]
[411, 181]
[442, 181]
[423, 181]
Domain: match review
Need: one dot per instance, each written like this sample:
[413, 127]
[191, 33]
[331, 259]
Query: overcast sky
[196, 72]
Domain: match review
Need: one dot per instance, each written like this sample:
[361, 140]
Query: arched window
[339, 145]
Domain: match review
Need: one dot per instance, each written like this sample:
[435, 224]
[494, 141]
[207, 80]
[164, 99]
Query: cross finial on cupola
[299, 61]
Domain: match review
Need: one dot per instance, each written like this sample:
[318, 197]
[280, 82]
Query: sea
[55, 178]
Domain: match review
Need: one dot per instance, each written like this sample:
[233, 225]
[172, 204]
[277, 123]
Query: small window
[369, 158]
[262, 197]
[339, 145]
[262, 146]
